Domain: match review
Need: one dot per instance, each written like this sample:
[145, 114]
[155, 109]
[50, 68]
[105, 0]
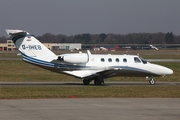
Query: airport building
[9, 46]
[63, 46]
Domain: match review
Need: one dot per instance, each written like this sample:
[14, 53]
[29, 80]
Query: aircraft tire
[152, 81]
[97, 82]
[86, 82]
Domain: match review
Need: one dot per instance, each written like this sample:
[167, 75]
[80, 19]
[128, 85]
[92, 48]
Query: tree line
[131, 38]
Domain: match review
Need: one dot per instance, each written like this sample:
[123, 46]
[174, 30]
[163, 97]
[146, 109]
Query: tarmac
[91, 109]
[78, 84]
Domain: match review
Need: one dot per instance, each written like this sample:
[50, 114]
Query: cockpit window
[143, 60]
[136, 60]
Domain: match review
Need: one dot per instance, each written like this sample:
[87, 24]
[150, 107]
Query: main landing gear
[151, 80]
[86, 81]
[97, 81]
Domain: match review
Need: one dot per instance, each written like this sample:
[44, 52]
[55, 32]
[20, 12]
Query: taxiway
[74, 84]
[93, 108]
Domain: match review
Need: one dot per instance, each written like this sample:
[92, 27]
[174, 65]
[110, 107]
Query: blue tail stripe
[14, 39]
[36, 61]
[42, 64]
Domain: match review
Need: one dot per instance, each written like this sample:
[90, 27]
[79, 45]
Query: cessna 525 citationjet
[85, 66]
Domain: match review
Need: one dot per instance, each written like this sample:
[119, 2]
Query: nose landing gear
[151, 80]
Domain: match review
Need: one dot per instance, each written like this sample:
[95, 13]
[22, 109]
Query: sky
[71, 17]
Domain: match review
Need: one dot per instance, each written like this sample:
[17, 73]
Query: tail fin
[29, 46]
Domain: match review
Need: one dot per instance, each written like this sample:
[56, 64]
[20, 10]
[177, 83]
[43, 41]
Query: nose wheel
[152, 81]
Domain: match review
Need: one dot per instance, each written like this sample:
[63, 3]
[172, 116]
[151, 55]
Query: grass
[18, 71]
[90, 92]
[11, 54]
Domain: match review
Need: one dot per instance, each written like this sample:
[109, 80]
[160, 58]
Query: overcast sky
[72, 17]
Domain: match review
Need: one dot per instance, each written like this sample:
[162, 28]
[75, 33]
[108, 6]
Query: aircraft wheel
[97, 82]
[86, 81]
[152, 81]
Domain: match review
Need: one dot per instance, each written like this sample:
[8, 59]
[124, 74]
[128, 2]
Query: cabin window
[117, 59]
[110, 60]
[136, 60]
[102, 60]
[125, 60]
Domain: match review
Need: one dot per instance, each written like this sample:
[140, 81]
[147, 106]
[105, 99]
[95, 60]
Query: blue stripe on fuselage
[72, 67]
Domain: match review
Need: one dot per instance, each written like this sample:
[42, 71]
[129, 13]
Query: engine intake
[60, 58]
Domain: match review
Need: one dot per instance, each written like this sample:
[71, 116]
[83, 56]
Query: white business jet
[86, 66]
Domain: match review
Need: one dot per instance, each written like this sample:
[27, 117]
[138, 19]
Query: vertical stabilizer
[29, 46]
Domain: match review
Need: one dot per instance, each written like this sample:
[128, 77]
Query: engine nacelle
[76, 58]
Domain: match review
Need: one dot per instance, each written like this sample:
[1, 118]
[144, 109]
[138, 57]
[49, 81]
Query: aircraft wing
[106, 73]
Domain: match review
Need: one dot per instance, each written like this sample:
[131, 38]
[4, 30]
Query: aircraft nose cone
[161, 70]
[169, 71]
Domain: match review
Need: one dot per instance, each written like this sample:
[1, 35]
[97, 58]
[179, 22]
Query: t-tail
[31, 49]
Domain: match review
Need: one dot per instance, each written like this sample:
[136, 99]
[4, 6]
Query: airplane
[100, 49]
[86, 66]
[147, 47]
[103, 49]
[153, 47]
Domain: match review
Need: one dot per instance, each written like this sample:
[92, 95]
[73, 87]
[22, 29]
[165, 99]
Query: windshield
[136, 60]
[143, 60]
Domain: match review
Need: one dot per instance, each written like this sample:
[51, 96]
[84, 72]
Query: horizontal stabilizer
[11, 32]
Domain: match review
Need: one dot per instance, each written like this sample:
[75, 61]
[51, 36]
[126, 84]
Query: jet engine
[76, 58]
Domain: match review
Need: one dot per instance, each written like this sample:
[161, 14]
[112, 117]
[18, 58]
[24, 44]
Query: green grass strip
[90, 92]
